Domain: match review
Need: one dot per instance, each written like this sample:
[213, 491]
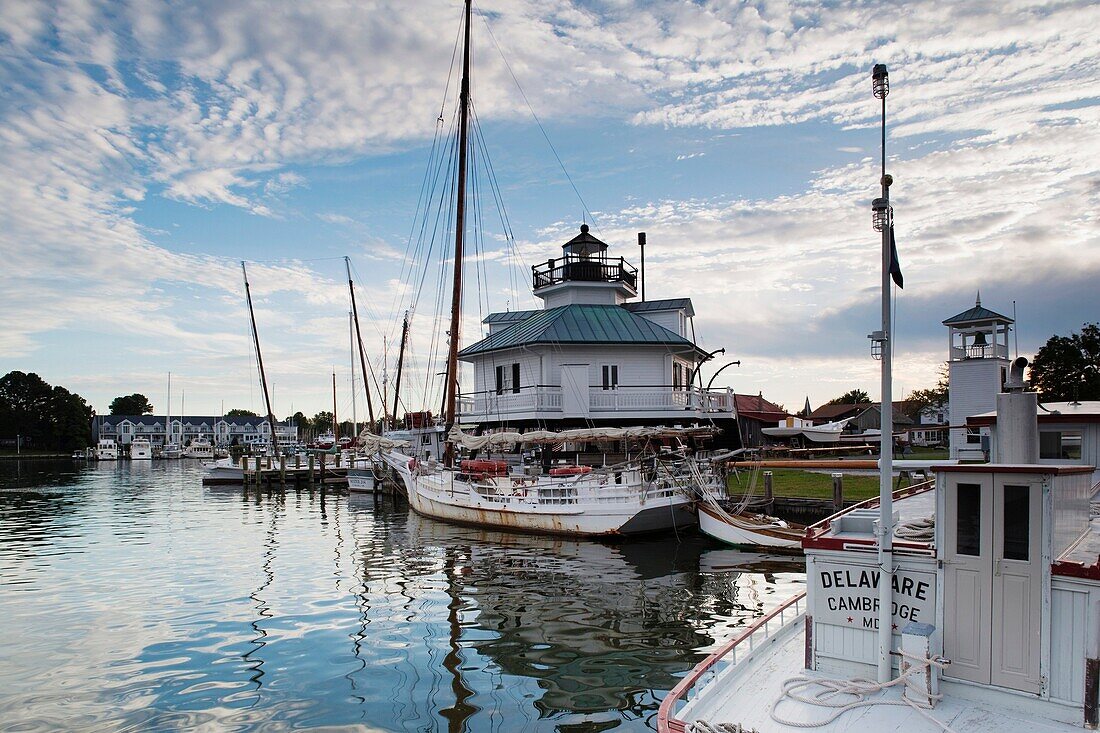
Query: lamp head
[880, 81]
[880, 214]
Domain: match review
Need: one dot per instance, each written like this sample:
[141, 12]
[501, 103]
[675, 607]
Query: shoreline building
[592, 356]
[219, 431]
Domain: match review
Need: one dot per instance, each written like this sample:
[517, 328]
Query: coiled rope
[918, 530]
[843, 695]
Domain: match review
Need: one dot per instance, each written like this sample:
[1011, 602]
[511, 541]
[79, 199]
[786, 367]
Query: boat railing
[570, 491]
[819, 528]
[759, 635]
[547, 398]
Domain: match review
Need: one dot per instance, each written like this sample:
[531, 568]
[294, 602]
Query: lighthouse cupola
[584, 274]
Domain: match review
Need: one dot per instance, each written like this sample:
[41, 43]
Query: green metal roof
[579, 324]
[508, 316]
[977, 313]
[669, 304]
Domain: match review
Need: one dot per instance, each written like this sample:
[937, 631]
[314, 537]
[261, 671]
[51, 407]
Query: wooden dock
[265, 471]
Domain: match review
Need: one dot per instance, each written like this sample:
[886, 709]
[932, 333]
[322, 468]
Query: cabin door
[574, 390]
[992, 580]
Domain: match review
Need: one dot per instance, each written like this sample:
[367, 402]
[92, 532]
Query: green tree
[70, 420]
[135, 404]
[322, 422]
[24, 405]
[50, 417]
[1068, 367]
[237, 412]
[851, 397]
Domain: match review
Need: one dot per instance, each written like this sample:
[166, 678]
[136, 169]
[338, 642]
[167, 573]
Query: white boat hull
[561, 507]
[364, 481]
[741, 533]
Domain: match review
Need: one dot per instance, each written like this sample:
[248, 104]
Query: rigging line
[420, 257]
[442, 227]
[538, 122]
[498, 198]
[423, 200]
[438, 227]
[373, 315]
[478, 238]
[427, 171]
[291, 260]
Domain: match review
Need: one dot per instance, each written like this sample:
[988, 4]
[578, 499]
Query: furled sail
[496, 440]
[371, 442]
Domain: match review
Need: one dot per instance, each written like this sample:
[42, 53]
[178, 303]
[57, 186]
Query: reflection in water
[166, 605]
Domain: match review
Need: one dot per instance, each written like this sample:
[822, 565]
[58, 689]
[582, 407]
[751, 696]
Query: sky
[147, 148]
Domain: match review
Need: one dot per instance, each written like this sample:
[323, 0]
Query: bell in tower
[977, 367]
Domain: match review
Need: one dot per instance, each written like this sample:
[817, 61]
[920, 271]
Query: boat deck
[744, 694]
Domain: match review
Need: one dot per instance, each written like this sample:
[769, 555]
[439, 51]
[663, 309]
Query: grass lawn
[926, 454]
[30, 452]
[793, 482]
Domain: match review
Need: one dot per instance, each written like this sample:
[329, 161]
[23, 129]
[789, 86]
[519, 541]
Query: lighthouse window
[677, 376]
[968, 519]
[1060, 445]
[507, 378]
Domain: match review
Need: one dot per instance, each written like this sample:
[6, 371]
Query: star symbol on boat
[894, 627]
[849, 619]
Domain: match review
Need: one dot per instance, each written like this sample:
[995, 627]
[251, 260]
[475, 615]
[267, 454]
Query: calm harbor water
[133, 598]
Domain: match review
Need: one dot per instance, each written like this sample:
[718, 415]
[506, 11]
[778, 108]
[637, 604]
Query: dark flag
[895, 266]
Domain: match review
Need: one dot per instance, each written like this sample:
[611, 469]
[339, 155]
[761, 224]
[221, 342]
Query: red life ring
[484, 466]
[570, 470]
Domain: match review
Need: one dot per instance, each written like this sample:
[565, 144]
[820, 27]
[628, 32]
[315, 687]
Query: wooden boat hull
[745, 532]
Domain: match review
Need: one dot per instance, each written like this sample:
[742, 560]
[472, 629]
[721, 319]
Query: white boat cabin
[995, 610]
[592, 354]
[1008, 583]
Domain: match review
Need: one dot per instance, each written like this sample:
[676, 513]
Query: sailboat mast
[335, 425]
[400, 364]
[359, 340]
[259, 360]
[460, 238]
[351, 344]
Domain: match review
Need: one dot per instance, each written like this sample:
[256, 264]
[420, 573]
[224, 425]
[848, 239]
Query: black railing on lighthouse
[575, 268]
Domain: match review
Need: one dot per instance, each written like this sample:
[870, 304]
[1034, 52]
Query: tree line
[43, 416]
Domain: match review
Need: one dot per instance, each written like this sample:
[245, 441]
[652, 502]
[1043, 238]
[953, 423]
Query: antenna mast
[460, 237]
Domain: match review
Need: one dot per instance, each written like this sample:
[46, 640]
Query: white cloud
[994, 125]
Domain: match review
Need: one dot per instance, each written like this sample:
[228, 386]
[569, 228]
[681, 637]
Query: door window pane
[1017, 522]
[968, 519]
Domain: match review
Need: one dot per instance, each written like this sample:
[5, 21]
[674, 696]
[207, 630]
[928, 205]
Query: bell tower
[977, 367]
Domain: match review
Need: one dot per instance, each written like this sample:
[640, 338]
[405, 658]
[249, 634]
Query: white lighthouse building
[594, 355]
[977, 368]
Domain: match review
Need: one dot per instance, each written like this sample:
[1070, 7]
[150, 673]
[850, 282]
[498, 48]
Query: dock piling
[838, 491]
[769, 489]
